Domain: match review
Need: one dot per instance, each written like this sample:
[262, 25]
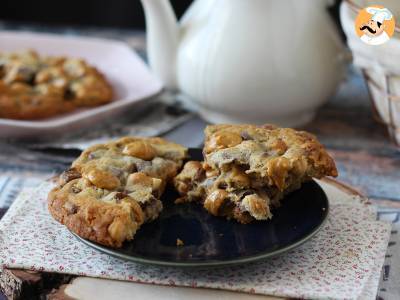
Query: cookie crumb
[179, 242]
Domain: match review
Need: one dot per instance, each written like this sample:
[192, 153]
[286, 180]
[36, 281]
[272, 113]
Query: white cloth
[343, 261]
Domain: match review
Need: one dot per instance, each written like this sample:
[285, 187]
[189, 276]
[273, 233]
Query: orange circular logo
[375, 25]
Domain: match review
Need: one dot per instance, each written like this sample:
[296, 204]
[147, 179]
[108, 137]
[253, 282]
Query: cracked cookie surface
[113, 188]
[248, 169]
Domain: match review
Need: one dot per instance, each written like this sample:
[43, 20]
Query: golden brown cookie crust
[91, 219]
[34, 87]
[248, 169]
[271, 155]
[113, 188]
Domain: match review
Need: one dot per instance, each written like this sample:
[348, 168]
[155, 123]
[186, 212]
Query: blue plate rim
[219, 263]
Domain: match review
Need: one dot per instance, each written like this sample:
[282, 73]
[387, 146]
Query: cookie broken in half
[113, 188]
[248, 169]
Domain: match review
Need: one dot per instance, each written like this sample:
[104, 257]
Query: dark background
[104, 13]
[98, 13]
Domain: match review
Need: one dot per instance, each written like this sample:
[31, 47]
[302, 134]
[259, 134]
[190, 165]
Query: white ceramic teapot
[247, 61]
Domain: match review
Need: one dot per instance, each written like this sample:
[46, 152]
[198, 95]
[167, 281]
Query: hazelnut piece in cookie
[139, 178]
[221, 140]
[215, 200]
[102, 179]
[256, 206]
[140, 149]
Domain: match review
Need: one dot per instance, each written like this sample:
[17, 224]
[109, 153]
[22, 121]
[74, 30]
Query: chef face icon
[373, 28]
[375, 25]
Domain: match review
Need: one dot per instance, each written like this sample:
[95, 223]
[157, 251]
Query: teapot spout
[162, 39]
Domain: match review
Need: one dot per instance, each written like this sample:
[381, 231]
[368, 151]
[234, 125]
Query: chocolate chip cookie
[34, 87]
[248, 169]
[113, 188]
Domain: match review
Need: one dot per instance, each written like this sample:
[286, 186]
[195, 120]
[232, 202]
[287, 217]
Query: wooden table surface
[365, 158]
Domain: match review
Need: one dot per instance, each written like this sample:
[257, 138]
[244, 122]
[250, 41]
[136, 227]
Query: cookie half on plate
[248, 169]
[113, 188]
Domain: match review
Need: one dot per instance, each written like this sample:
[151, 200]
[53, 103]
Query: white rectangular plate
[131, 79]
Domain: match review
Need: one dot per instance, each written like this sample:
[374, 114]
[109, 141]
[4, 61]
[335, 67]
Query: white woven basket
[381, 68]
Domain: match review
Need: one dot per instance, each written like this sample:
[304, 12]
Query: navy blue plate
[215, 241]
